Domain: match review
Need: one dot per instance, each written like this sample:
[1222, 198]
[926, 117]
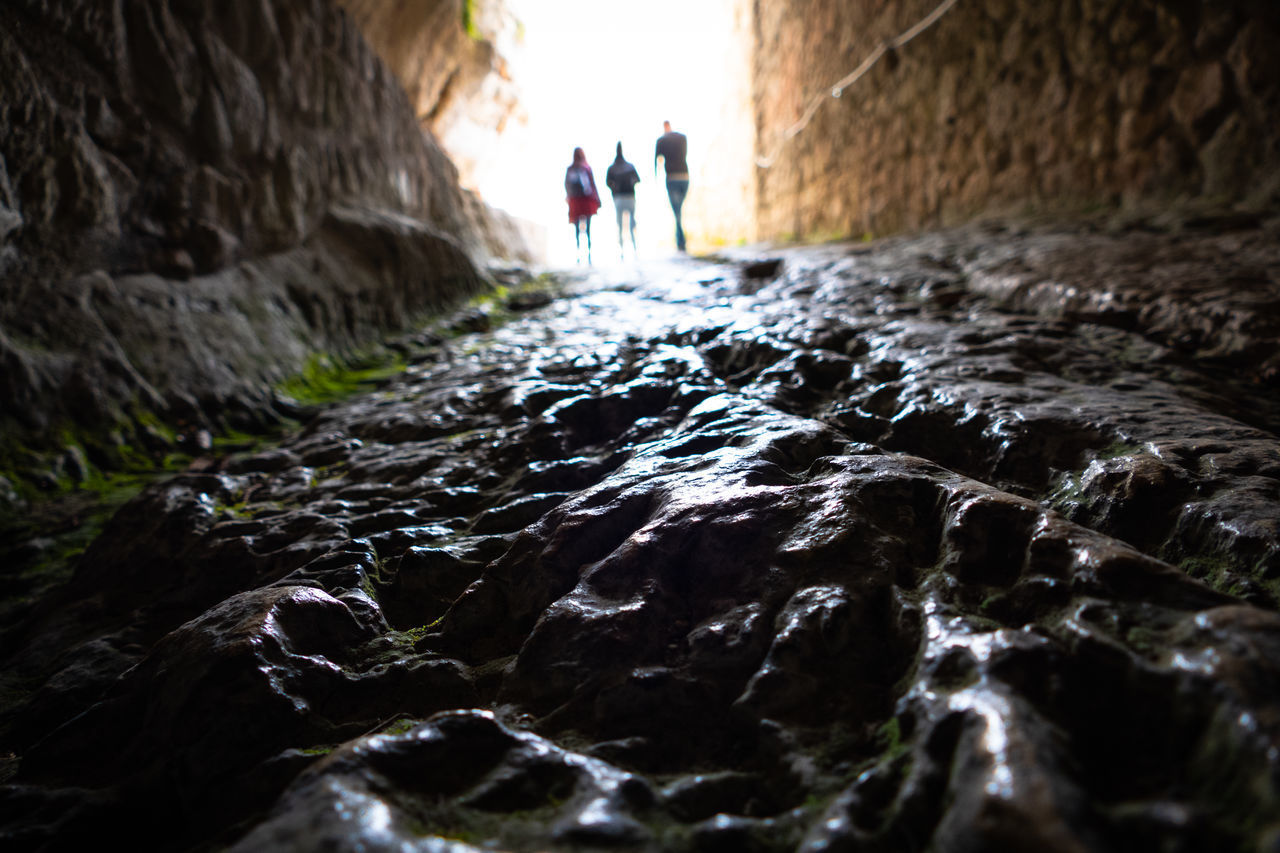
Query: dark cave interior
[932, 502]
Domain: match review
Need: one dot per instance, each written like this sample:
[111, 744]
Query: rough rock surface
[193, 197]
[1008, 105]
[449, 56]
[943, 543]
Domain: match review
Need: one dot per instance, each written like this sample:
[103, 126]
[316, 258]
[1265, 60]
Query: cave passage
[955, 539]
[614, 72]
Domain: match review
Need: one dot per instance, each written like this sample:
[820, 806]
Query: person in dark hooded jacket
[621, 179]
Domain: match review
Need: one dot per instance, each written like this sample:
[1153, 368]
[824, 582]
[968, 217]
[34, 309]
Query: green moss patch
[400, 726]
[469, 19]
[41, 546]
[326, 379]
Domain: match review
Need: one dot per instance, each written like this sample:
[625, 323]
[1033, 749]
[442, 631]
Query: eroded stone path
[969, 541]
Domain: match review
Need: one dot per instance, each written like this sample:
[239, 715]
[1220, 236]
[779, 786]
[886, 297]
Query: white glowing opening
[592, 74]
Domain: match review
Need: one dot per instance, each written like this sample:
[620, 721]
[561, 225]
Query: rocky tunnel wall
[451, 56]
[1009, 106]
[195, 198]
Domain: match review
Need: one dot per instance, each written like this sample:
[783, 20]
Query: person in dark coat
[621, 179]
[672, 149]
[584, 200]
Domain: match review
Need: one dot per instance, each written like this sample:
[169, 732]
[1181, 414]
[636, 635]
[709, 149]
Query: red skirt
[584, 206]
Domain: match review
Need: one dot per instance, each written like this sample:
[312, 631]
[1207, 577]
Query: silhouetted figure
[584, 200]
[621, 179]
[673, 149]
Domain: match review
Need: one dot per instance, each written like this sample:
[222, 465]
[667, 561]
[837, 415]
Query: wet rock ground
[968, 541]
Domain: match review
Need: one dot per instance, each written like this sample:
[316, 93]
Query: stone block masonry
[1007, 106]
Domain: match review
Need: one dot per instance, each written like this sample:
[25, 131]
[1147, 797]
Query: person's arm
[657, 152]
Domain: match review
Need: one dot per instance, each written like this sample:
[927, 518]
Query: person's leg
[626, 205]
[676, 191]
[631, 221]
[587, 220]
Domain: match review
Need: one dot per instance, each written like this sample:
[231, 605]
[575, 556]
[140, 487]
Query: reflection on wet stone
[829, 551]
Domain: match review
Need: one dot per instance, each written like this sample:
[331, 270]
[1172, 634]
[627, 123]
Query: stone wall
[450, 56]
[1006, 106]
[194, 197]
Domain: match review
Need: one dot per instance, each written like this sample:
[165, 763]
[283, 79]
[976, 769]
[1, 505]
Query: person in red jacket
[584, 200]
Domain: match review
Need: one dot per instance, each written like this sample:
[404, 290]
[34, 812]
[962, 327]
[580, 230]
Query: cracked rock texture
[942, 543]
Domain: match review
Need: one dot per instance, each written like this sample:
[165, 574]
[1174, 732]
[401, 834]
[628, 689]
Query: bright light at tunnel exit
[595, 73]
